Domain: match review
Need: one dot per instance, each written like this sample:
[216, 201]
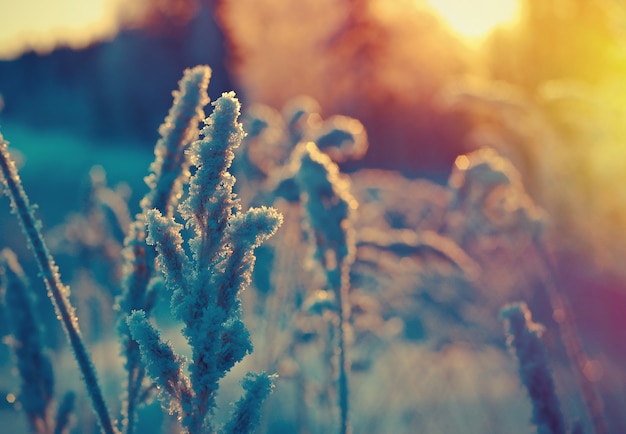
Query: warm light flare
[476, 18]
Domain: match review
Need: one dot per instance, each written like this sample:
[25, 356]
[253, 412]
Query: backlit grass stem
[57, 292]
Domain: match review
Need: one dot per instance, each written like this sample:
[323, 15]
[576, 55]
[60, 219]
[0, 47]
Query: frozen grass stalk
[179, 130]
[570, 338]
[248, 409]
[58, 293]
[523, 338]
[64, 413]
[34, 366]
[168, 172]
[328, 204]
[205, 287]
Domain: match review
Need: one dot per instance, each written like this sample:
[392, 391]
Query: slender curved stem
[56, 290]
[343, 313]
[570, 337]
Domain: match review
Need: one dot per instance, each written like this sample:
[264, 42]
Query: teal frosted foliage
[204, 274]
[248, 409]
[204, 287]
[168, 172]
[162, 363]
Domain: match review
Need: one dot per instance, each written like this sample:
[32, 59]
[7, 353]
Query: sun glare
[42, 24]
[476, 18]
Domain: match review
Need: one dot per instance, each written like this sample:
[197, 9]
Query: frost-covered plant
[204, 288]
[57, 292]
[33, 364]
[489, 202]
[523, 338]
[168, 172]
[272, 137]
[328, 207]
[489, 199]
[192, 241]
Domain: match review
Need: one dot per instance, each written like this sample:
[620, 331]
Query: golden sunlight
[475, 19]
[42, 24]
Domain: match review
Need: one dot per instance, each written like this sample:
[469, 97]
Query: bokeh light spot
[461, 162]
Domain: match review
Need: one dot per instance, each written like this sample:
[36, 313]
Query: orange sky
[42, 24]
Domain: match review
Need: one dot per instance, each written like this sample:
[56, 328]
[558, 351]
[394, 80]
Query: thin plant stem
[57, 292]
[571, 340]
[135, 377]
[343, 314]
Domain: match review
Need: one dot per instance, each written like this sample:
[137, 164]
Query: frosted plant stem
[344, 314]
[135, 377]
[56, 291]
[343, 374]
[328, 205]
[524, 341]
[571, 339]
[168, 172]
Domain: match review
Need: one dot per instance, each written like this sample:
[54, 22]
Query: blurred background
[541, 82]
